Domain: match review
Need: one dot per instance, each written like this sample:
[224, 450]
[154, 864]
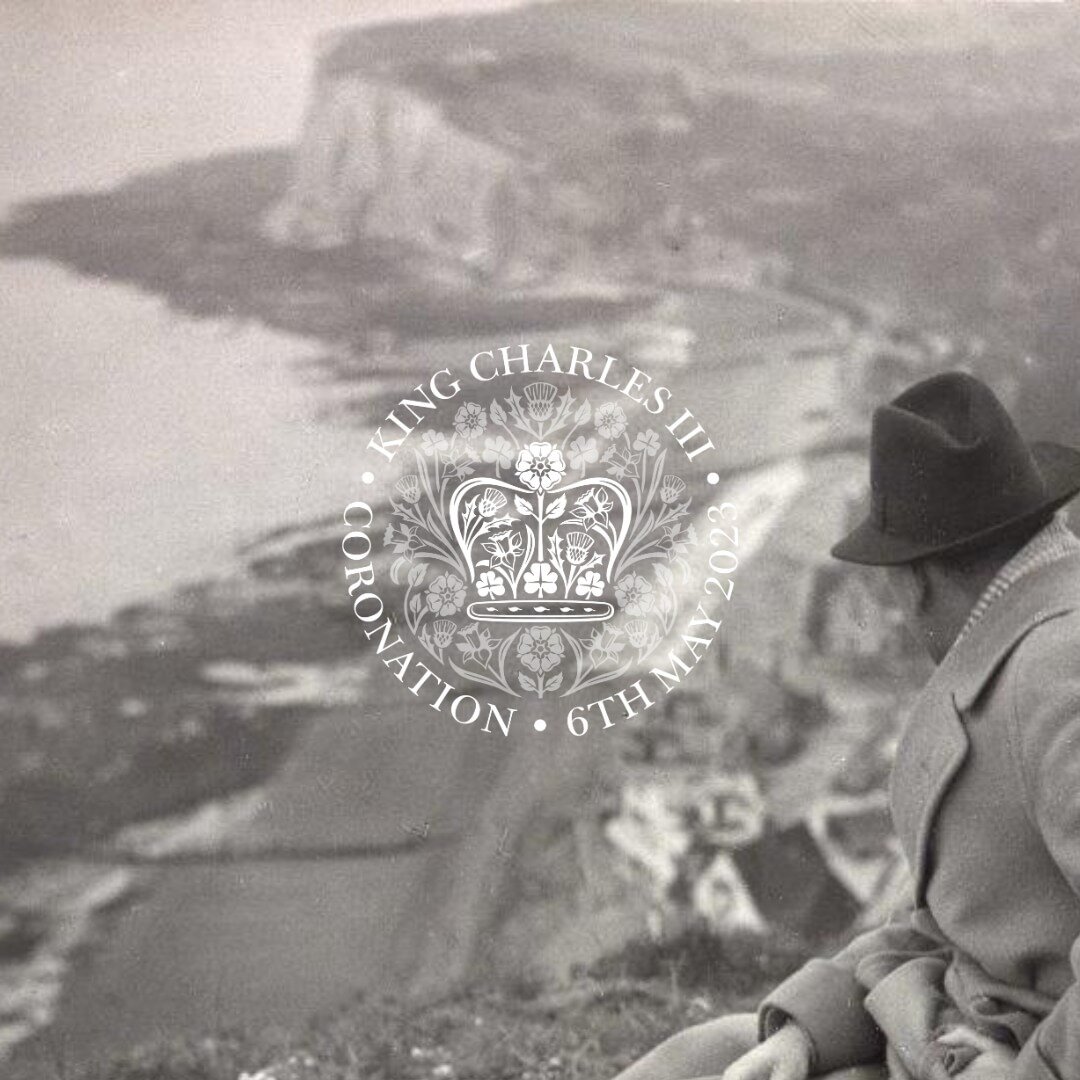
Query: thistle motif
[408, 487]
[638, 633]
[491, 502]
[578, 547]
[671, 489]
[540, 400]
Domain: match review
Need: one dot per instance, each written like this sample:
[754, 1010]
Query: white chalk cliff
[377, 159]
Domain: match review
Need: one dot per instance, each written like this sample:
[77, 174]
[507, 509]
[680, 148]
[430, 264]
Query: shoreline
[70, 902]
[226, 609]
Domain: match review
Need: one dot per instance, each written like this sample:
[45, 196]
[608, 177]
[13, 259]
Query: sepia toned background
[233, 233]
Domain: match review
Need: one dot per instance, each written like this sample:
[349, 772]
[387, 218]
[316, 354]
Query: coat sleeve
[1046, 733]
[826, 997]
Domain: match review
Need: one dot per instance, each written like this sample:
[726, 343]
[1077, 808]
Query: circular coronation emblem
[545, 541]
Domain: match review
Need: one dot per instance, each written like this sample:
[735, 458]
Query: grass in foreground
[587, 1029]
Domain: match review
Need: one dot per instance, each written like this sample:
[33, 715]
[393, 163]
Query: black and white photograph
[538, 540]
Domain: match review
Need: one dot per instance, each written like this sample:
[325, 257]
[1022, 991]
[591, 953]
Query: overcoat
[985, 798]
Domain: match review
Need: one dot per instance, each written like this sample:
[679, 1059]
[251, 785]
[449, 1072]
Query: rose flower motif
[634, 593]
[540, 466]
[610, 420]
[446, 594]
[540, 648]
[470, 420]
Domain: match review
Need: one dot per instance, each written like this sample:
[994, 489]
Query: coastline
[66, 902]
[288, 578]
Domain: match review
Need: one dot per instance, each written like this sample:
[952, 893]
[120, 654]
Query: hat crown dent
[958, 407]
[945, 458]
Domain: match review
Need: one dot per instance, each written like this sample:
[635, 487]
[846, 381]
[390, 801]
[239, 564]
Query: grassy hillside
[586, 1030]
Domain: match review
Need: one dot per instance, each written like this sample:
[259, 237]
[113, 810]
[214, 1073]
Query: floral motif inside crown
[540, 547]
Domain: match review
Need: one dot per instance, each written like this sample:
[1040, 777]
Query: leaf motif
[417, 574]
[395, 569]
[526, 682]
[584, 413]
[557, 508]
[554, 682]
[664, 576]
[522, 507]
[498, 413]
[416, 604]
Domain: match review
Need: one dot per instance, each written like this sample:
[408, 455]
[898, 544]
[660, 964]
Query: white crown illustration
[538, 549]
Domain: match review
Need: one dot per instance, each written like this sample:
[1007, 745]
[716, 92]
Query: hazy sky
[95, 89]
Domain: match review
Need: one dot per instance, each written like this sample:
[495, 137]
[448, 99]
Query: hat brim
[868, 545]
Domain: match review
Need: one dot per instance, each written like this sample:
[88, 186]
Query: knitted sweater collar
[1054, 541]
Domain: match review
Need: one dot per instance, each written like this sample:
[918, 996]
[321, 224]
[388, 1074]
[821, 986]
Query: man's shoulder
[1049, 651]
[1044, 662]
[1040, 613]
[1045, 613]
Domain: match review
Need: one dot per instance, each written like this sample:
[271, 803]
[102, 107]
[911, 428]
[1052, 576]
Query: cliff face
[377, 160]
[506, 157]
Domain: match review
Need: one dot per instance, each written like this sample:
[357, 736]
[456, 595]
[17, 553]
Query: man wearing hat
[978, 975]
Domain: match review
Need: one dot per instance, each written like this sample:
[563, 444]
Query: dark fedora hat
[949, 472]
